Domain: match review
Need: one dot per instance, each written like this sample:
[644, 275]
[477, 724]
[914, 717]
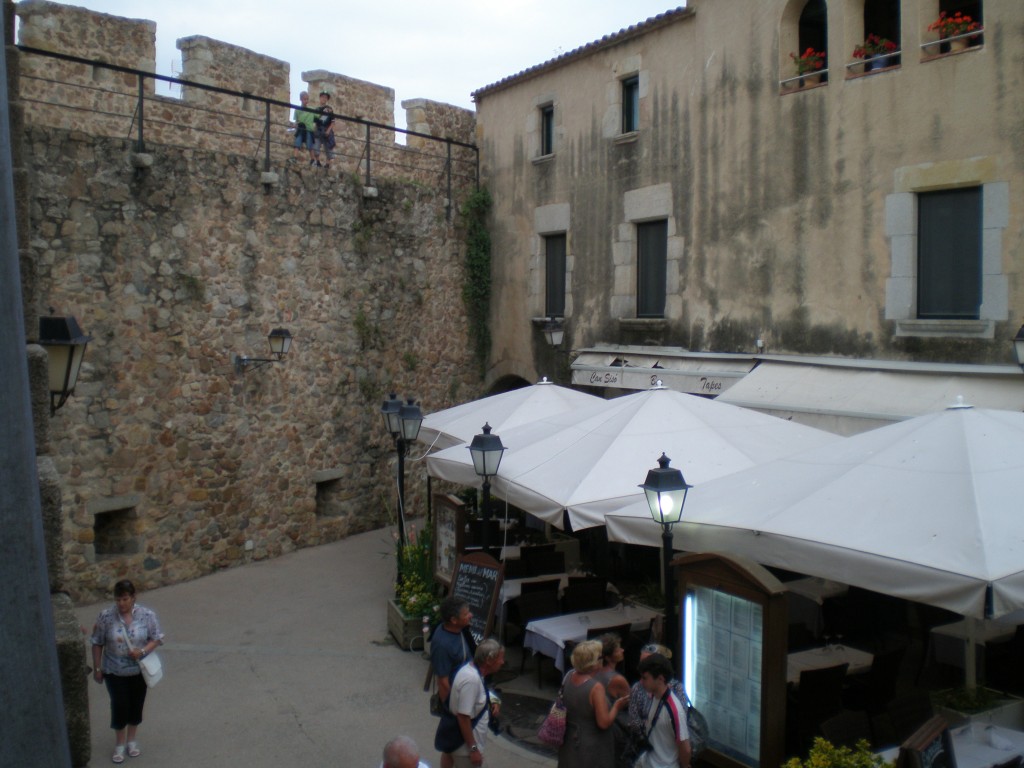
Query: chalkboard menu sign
[930, 746]
[477, 580]
[449, 527]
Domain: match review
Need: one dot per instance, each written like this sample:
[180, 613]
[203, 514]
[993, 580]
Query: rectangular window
[630, 104]
[949, 254]
[652, 247]
[547, 130]
[554, 272]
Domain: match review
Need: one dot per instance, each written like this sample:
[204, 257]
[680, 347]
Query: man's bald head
[401, 752]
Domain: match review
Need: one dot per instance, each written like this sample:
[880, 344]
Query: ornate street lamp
[403, 422]
[487, 451]
[666, 490]
[554, 331]
[65, 345]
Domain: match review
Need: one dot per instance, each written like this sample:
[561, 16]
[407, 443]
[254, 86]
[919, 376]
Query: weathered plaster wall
[777, 200]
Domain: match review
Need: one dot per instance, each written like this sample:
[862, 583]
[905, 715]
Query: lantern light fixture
[280, 345]
[65, 344]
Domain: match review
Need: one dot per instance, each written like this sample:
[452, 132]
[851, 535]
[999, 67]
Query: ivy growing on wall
[476, 291]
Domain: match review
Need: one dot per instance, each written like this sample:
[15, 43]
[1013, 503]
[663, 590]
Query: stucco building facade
[684, 202]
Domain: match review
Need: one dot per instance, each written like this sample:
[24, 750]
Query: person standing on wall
[305, 129]
[450, 650]
[123, 634]
[325, 129]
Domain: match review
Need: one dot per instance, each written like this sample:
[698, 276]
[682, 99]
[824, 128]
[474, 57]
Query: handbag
[152, 669]
[552, 730]
[150, 666]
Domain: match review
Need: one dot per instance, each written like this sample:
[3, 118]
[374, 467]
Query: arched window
[971, 8]
[813, 29]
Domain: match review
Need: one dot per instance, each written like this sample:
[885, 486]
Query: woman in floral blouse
[115, 662]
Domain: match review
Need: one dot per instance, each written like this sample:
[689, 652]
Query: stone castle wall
[171, 463]
[100, 101]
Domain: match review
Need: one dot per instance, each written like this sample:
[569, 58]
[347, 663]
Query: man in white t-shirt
[402, 752]
[469, 702]
[665, 728]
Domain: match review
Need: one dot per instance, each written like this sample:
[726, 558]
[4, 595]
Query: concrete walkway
[285, 662]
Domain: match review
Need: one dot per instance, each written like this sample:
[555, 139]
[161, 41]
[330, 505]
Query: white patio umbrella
[928, 509]
[504, 411]
[590, 462]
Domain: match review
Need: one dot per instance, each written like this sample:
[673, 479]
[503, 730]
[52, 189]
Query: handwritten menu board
[449, 531]
[477, 580]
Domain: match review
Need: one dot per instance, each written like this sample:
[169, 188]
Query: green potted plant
[415, 593]
[809, 65]
[953, 26]
[824, 754]
[876, 52]
[979, 704]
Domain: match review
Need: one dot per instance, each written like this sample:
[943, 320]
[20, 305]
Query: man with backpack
[668, 740]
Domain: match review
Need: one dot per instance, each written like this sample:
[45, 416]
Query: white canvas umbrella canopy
[927, 509]
[458, 425]
[591, 462]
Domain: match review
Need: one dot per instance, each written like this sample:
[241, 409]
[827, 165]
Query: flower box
[1005, 710]
[407, 630]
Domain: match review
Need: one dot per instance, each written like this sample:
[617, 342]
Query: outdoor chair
[516, 568]
[530, 553]
[589, 596]
[635, 640]
[847, 728]
[872, 691]
[545, 585]
[908, 713]
[548, 562]
[536, 605]
[819, 697]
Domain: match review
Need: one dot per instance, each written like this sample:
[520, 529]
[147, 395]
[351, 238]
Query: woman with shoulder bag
[124, 634]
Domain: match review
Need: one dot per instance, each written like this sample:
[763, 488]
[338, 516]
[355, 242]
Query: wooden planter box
[407, 630]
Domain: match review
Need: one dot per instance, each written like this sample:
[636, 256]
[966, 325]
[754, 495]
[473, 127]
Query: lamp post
[487, 451]
[403, 422]
[666, 490]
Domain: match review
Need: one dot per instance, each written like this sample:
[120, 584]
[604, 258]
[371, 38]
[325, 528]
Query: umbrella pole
[970, 655]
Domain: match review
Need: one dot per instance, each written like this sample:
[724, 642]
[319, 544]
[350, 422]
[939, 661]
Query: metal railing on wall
[446, 160]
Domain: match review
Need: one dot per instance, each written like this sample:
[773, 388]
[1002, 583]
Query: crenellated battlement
[99, 101]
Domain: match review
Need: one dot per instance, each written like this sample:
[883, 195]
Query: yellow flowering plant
[824, 754]
[415, 592]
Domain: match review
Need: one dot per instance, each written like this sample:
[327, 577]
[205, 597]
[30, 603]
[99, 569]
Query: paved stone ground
[287, 662]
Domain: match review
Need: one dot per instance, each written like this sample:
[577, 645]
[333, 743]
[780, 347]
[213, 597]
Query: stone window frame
[553, 219]
[901, 231]
[547, 129]
[623, 69]
[535, 128]
[640, 205]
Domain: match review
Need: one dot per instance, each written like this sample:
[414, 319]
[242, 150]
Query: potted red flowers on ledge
[809, 65]
[876, 52]
[954, 25]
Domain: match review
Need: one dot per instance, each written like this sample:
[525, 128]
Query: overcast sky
[436, 49]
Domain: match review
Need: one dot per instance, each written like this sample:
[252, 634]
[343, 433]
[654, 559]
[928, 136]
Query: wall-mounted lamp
[760, 346]
[1018, 347]
[65, 345]
[280, 343]
[554, 331]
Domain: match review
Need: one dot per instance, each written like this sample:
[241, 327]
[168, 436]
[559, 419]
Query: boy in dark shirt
[325, 129]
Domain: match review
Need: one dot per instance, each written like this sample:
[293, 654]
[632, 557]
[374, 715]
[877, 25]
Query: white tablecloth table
[819, 658]
[978, 745]
[513, 588]
[549, 636]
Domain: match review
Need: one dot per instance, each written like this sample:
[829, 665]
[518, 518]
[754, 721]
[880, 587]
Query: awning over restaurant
[851, 396]
[640, 368]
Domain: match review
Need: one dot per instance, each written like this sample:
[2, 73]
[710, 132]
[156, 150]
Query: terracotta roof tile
[634, 30]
